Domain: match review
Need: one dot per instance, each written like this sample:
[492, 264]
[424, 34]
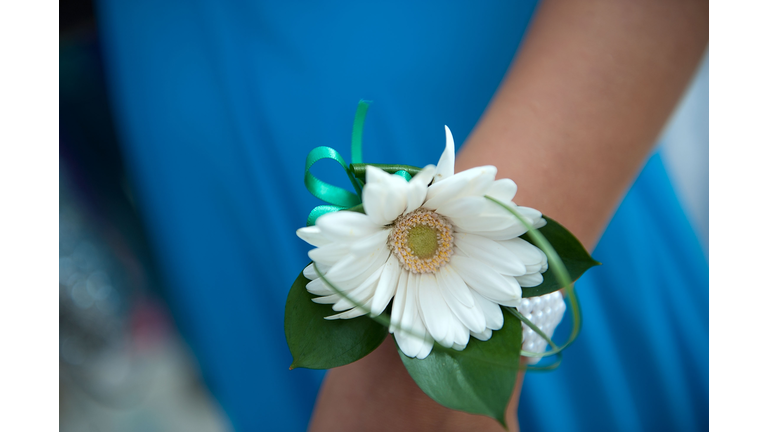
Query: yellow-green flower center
[422, 241]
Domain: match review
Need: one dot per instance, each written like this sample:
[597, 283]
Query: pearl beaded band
[546, 312]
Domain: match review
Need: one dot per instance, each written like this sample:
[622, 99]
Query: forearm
[377, 394]
[580, 110]
[571, 124]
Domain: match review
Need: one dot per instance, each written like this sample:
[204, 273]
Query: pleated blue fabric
[218, 104]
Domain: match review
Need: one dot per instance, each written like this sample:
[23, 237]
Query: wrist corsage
[466, 280]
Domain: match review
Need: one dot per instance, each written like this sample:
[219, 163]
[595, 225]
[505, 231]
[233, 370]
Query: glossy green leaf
[317, 343]
[478, 380]
[576, 259]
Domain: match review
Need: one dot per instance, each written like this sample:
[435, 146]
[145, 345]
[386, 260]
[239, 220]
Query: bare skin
[572, 124]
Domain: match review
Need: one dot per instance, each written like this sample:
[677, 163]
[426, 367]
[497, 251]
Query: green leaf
[478, 380]
[576, 259]
[317, 343]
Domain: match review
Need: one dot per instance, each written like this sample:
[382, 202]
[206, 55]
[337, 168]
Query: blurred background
[123, 364]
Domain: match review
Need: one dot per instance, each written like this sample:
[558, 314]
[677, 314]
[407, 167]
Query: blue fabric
[218, 104]
[641, 361]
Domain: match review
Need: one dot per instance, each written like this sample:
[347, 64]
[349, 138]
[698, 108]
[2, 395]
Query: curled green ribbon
[357, 131]
[336, 197]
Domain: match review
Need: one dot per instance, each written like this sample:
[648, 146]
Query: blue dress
[218, 103]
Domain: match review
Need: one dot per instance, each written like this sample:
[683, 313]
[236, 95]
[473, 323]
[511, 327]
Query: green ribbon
[404, 174]
[329, 193]
[357, 131]
[337, 198]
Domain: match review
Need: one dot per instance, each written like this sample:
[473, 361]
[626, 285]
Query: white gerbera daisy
[448, 256]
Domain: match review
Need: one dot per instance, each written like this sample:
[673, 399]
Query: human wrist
[376, 393]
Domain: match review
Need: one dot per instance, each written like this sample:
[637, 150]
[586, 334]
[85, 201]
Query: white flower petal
[474, 181]
[411, 336]
[426, 348]
[387, 285]
[494, 318]
[436, 314]
[398, 303]
[492, 218]
[352, 266]
[318, 287]
[459, 252]
[453, 284]
[532, 268]
[525, 251]
[479, 184]
[411, 308]
[510, 232]
[544, 263]
[366, 245]
[491, 253]
[361, 294]
[471, 317]
[425, 176]
[329, 299]
[417, 188]
[374, 201]
[515, 302]
[530, 213]
[447, 159]
[530, 280]
[470, 206]
[346, 226]
[503, 190]
[397, 200]
[493, 224]
[310, 273]
[352, 313]
[533, 216]
[313, 235]
[364, 267]
[448, 190]
[496, 223]
[458, 337]
[460, 346]
[486, 281]
[374, 175]
[483, 335]
[329, 254]
[386, 198]
[467, 178]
